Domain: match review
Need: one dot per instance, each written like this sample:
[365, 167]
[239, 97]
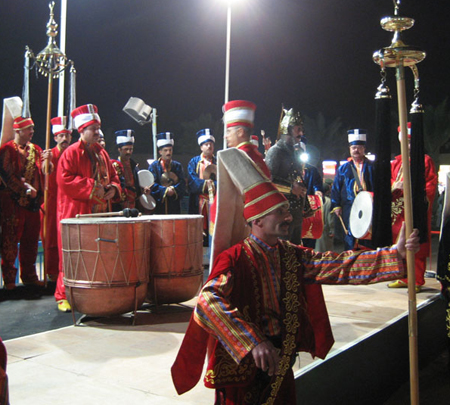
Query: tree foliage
[436, 129]
[327, 140]
[188, 142]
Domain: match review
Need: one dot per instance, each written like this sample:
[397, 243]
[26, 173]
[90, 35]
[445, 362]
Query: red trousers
[50, 241]
[420, 264]
[19, 226]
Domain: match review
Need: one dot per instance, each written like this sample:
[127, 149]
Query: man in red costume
[263, 303]
[87, 181]
[21, 171]
[398, 213]
[49, 232]
[239, 116]
[4, 390]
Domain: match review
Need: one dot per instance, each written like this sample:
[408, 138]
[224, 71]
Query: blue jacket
[196, 184]
[343, 190]
[158, 191]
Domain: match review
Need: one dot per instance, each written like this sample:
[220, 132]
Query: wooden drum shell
[106, 263]
[176, 258]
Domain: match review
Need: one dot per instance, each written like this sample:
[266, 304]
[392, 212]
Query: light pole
[227, 67]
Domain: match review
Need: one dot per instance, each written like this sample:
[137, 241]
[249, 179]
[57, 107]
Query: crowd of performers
[265, 278]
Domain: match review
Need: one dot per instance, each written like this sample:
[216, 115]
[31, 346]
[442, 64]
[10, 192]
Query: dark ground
[29, 311]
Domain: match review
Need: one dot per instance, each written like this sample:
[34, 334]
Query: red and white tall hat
[254, 140]
[12, 108]
[22, 123]
[400, 132]
[239, 113]
[261, 199]
[85, 115]
[59, 125]
[244, 194]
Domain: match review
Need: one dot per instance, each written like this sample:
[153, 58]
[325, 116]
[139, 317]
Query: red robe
[252, 151]
[239, 318]
[20, 218]
[398, 215]
[50, 241]
[4, 391]
[76, 185]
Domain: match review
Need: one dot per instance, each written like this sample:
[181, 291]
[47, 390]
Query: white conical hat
[12, 108]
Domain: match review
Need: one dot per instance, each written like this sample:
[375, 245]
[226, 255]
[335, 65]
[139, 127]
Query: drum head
[146, 178]
[147, 201]
[361, 214]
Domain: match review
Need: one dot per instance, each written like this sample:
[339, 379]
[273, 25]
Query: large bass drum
[361, 215]
[106, 263]
[176, 264]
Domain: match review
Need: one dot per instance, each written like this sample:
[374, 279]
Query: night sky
[316, 55]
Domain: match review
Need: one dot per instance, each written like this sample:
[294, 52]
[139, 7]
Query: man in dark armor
[292, 177]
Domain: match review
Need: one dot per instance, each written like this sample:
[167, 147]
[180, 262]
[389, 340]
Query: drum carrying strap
[358, 182]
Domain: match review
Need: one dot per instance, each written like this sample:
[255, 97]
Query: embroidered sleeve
[349, 267]
[196, 184]
[216, 315]
[9, 178]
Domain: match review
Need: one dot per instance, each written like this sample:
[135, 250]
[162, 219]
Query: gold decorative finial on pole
[396, 6]
[398, 56]
[51, 60]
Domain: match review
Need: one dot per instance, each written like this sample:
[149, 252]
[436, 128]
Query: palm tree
[188, 144]
[322, 138]
[436, 129]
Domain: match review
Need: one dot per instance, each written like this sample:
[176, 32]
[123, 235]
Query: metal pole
[227, 68]
[47, 146]
[154, 131]
[62, 46]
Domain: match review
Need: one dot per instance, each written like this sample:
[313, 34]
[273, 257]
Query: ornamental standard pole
[51, 61]
[62, 46]
[227, 68]
[398, 56]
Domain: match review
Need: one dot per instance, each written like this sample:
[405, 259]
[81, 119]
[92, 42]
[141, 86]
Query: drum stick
[127, 213]
[343, 226]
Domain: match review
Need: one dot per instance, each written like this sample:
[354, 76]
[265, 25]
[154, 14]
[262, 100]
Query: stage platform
[109, 361]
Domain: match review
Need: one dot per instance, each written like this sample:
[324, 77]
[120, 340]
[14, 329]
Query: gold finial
[397, 52]
[396, 6]
[51, 60]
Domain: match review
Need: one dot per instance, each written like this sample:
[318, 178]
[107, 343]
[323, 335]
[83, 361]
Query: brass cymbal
[210, 172]
[169, 179]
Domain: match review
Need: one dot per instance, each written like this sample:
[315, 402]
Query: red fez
[85, 115]
[261, 199]
[239, 113]
[59, 125]
[22, 123]
[400, 132]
